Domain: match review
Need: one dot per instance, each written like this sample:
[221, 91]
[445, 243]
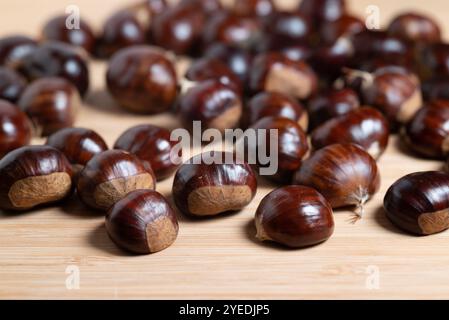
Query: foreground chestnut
[111, 175]
[150, 143]
[150, 85]
[142, 222]
[274, 72]
[14, 48]
[212, 183]
[12, 84]
[289, 27]
[419, 203]
[32, 176]
[295, 216]
[79, 145]
[365, 127]
[415, 27]
[15, 128]
[51, 104]
[346, 26]
[428, 132]
[345, 174]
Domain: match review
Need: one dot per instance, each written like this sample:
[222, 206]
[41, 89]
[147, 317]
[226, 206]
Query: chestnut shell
[415, 27]
[13, 48]
[12, 84]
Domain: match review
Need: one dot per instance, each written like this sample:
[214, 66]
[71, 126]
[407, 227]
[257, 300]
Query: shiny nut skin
[51, 104]
[294, 216]
[209, 7]
[436, 88]
[57, 59]
[202, 187]
[289, 27]
[274, 104]
[345, 174]
[14, 48]
[143, 222]
[419, 203]
[150, 85]
[33, 176]
[150, 143]
[213, 103]
[15, 128]
[415, 27]
[274, 72]
[111, 175]
[253, 8]
[433, 61]
[365, 127]
[345, 26]
[321, 11]
[56, 30]
[428, 132]
[12, 84]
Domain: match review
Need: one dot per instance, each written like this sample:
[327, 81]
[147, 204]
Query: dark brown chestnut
[51, 104]
[14, 48]
[346, 26]
[111, 175]
[79, 145]
[212, 183]
[32, 176]
[216, 105]
[320, 11]
[415, 27]
[12, 84]
[209, 7]
[289, 27]
[59, 29]
[419, 203]
[365, 127]
[15, 128]
[433, 61]
[57, 59]
[253, 8]
[274, 72]
[294, 216]
[436, 88]
[428, 131]
[274, 104]
[345, 174]
[150, 143]
[142, 222]
[142, 79]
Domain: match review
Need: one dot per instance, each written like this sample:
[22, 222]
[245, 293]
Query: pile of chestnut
[316, 70]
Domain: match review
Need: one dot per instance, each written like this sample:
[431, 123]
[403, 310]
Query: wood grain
[214, 258]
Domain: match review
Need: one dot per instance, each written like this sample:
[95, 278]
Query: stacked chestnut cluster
[314, 70]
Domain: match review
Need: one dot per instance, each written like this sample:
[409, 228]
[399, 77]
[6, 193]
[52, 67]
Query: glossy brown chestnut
[212, 183]
[273, 72]
[56, 30]
[345, 174]
[320, 11]
[365, 127]
[12, 84]
[428, 131]
[150, 84]
[209, 7]
[436, 88]
[32, 176]
[57, 59]
[14, 48]
[433, 61]
[150, 143]
[15, 128]
[214, 104]
[419, 203]
[111, 175]
[295, 216]
[79, 145]
[346, 26]
[289, 27]
[274, 104]
[253, 8]
[330, 104]
[415, 27]
[142, 222]
[51, 104]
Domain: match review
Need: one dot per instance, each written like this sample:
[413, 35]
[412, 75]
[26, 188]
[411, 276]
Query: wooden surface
[215, 258]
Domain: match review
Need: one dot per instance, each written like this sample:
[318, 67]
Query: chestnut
[253, 8]
[15, 128]
[209, 7]
[142, 222]
[150, 143]
[320, 11]
[428, 131]
[289, 27]
[14, 48]
[415, 27]
[12, 84]
[214, 104]
[32, 176]
[56, 29]
[212, 183]
[433, 61]
[419, 203]
[346, 26]
[150, 84]
[345, 174]
[111, 175]
[51, 104]
[294, 216]
[274, 104]
[365, 127]
[330, 104]
[79, 145]
[436, 88]
[274, 72]
[57, 59]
